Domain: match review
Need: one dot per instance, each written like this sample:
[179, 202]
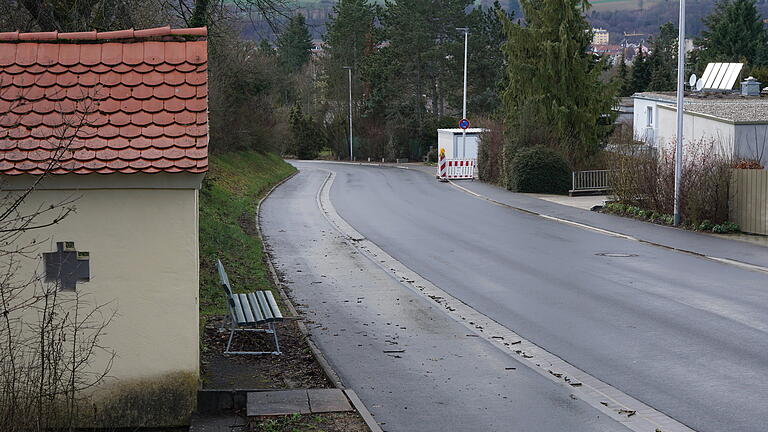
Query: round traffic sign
[464, 124]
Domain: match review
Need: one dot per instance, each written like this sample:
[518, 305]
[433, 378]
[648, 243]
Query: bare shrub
[489, 151]
[644, 177]
[49, 339]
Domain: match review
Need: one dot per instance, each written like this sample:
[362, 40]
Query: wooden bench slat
[273, 305]
[247, 309]
[264, 306]
[256, 309]
[239, 317]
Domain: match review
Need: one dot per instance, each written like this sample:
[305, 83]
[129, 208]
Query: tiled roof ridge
[128, 35]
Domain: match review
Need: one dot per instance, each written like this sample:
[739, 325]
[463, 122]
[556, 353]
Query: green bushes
[308, 136]
[667, 219]
[539, 169]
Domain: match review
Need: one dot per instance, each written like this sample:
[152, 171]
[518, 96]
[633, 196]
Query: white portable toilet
[452, 140]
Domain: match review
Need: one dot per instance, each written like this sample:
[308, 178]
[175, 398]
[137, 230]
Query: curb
[330, 373]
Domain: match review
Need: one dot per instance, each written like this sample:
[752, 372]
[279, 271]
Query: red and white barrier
[442, 166]
[458, 169]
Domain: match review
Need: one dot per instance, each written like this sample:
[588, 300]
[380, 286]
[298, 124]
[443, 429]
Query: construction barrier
[458, 169]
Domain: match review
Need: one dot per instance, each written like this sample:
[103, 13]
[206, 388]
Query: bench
[248, 311]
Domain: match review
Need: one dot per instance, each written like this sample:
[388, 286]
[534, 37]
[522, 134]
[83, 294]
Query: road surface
[680, 333]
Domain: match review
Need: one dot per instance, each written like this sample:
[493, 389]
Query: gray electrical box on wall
[67, 266]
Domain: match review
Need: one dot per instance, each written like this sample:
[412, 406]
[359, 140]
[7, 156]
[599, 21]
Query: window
[649, 116]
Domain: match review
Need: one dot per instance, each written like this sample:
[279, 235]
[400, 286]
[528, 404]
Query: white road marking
[736, 263]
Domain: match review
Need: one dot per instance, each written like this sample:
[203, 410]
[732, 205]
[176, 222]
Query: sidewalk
[749, 252]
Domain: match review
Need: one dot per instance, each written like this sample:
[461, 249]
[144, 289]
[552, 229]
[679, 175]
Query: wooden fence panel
[749, 200]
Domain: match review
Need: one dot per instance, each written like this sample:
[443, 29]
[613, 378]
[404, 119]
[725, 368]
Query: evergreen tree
[663, 59]
[350, 36]
[622, 74]
[427, 54]
[266, 48]
[295, 44]
[640, 78]
[486, 60]
[734, 33]
[307, 136]
[552, 82]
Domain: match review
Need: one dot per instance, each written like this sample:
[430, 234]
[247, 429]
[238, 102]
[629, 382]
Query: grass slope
[228, 198]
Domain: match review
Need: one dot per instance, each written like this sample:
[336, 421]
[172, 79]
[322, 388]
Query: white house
[116, 125]
[736, 125]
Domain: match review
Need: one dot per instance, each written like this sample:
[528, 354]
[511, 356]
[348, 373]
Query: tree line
[733, 32]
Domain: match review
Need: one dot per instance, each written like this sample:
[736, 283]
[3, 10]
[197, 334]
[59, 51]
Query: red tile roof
[104, 102]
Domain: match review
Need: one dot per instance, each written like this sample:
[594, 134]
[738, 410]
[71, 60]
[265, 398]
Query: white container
[452, 140]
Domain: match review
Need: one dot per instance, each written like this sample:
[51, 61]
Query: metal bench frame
[262, 309]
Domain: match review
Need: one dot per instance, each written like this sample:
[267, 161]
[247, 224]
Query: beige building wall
[697, 129]
[142, 235]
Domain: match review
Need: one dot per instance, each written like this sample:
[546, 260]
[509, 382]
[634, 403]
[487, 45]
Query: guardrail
[592, 181]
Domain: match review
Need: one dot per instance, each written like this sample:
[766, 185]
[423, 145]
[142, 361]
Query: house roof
[104, 102]
[730, 107]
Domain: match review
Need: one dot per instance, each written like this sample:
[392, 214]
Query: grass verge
[234, 184]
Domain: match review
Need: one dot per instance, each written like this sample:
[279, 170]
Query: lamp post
[349, 69]
[680, 94]
[464, 105]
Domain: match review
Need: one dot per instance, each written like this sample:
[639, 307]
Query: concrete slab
[327, 400]
[280, 402]
[585, 202]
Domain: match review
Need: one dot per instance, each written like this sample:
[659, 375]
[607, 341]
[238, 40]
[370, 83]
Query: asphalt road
[683, 334]
[415, 367]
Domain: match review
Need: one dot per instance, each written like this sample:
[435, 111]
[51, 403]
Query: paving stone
[328, 400]
[280, 402]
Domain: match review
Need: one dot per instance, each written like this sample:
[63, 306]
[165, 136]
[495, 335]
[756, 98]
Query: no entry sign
[464, 123]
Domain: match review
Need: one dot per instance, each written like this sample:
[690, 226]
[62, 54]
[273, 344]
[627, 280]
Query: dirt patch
[295, 368]
[331, 422]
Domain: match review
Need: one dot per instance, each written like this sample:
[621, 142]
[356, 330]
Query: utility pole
[349, 69]
[464, 106]
[680, 95]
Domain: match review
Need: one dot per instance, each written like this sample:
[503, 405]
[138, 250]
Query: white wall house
[735, 126]
[452, 140]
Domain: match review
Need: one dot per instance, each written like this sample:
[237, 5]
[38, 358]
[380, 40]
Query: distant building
[600, 36]
[318, 47]
[613, 52]
[736, 125]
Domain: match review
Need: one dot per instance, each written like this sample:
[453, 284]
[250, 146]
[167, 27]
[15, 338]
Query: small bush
[539, 170]
[307, 135]
[748, 164]
[432, 155]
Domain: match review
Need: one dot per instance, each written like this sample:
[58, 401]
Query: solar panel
[721, 76]
[731, 76]
[712, 75]
[707, 72]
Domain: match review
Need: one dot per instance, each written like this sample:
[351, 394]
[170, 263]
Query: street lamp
[349, 69]
[680, 94]
[464, 105]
